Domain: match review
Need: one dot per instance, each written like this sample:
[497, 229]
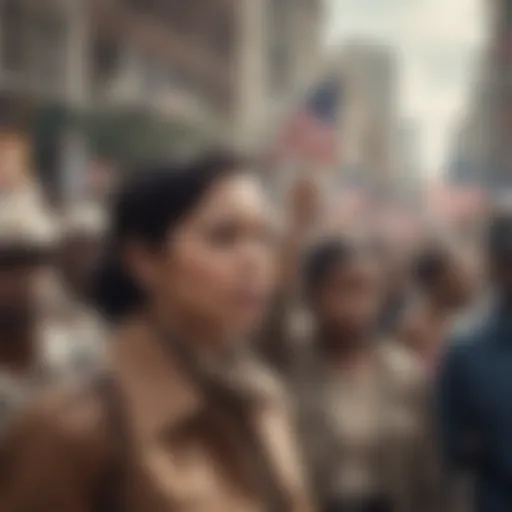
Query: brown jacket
[180, 451]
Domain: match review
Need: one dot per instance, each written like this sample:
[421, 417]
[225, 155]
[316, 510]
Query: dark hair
[430, 264]
[150, 203]
[324, 256]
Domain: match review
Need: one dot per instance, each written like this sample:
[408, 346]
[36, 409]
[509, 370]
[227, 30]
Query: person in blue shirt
[474, 393]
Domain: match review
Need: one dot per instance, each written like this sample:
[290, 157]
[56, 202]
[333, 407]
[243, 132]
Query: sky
[438, 44]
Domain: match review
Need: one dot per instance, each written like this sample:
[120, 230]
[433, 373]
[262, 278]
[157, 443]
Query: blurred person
[27, 245]
[445, 281]
[81, 243]
[474, 391]
[362, 404]
[185, 417]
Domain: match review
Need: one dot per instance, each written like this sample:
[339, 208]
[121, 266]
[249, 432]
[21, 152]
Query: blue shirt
[475, 408]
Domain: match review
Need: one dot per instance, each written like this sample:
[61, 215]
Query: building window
[33, 46]
[223, 35]
[139, 5]
[47, 52]
[279, 47]
[13, 36]
[507, 12]
[106, 59]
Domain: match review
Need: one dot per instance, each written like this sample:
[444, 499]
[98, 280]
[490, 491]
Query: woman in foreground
[184, 419]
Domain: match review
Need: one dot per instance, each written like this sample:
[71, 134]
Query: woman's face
[217, 268]
[350, 300]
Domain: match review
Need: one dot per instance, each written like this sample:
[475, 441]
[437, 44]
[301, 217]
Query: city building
[279, 56]
[467, 163]
[227, 61]
[368, 127]
[38, 45]
[138, 77]
[498, 171]
[482, 149]
[408, 162]
[174, 60]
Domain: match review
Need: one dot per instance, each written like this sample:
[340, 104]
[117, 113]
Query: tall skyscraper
[499, 157]
[369, 128]
[408, 153]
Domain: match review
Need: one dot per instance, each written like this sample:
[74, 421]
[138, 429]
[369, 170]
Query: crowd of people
[190, 350]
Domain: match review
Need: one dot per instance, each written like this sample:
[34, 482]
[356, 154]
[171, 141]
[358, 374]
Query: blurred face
[19, 289]
[351, 298]
[217, 268]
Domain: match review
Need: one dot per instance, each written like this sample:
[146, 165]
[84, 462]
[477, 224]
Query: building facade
[218, 67]
[279, 55]
[482, 152]
[408, 169]
[176, 58]
[470, 153]
[38, 42]
[369, 124]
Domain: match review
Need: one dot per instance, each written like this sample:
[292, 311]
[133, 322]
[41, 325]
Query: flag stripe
[310, 132]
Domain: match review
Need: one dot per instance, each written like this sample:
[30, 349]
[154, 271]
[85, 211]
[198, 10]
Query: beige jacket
[181, 452]
[408, 462]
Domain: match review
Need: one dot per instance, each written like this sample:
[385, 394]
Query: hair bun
[114, 293]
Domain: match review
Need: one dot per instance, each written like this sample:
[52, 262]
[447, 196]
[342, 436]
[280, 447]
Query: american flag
[309, 134]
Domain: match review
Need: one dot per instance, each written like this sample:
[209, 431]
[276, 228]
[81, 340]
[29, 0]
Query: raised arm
[277, 341]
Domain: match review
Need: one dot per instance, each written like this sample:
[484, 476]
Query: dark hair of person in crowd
[430, 265]
[343, 285]
[322, 259]
[149, 206]
[444, 274]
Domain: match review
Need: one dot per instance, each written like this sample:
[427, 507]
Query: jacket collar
[160, 396]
